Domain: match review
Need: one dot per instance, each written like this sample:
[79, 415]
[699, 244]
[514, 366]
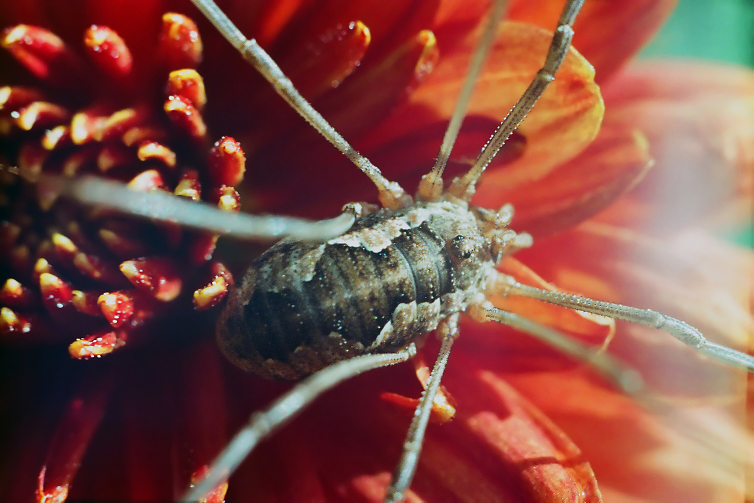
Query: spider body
[392, 278]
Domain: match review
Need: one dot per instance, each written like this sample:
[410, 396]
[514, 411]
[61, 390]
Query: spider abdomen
[303, 306]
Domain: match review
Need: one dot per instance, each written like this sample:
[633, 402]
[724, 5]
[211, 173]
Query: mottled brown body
[392, 278]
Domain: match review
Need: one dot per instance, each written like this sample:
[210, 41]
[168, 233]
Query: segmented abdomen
[310, 305]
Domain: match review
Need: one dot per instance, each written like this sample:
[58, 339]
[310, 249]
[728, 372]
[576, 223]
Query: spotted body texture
[390, 279]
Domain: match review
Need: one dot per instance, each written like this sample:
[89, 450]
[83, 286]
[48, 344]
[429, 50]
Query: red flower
[531, 425]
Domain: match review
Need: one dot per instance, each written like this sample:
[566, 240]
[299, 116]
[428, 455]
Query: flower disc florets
[88, 275]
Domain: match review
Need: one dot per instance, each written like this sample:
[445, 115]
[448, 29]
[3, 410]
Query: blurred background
[722, 30]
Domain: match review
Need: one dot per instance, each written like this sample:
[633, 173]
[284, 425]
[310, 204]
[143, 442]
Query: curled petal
[120, 238]
[86, 302]
[98, 268]
[117, 123]
[85, 124]
[57, 137]
[408, 65]
[545, 463]
[108, 51]
[188, 84]
[156, 151]
[398, 74]
[394, 25]
[56, 294]
[227, 162]
[147, 180]
[654, 447]
[41, 266]
[213, 290]
[114, 156]
[185, 117]
[228, 199]
[180, 44]
[210, 295]
[97, 345]
[189, 185]
[40, 114]
[42, 52]
[15, 295]
[15, 97]
[117, 307]
[499, 447]
[329, 59]
[11, 323]
[156, 276]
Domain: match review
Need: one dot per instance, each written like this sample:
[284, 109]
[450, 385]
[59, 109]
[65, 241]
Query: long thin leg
[166, 207]
[465, 186]
[412, 446]
[630, 382]
[678, 329]
[430, 187]
[625, 378]
[391, 194]
[283, 410]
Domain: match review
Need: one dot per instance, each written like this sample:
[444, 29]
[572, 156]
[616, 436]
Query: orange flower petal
[607, 33]
[370, 94]
[640, 455]
[588, 327]
[565, 120]
[699, 119]
[691, 276]
[611, 166]
[510, 438]
[323, 61]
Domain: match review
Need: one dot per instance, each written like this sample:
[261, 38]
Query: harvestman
[396, 202]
